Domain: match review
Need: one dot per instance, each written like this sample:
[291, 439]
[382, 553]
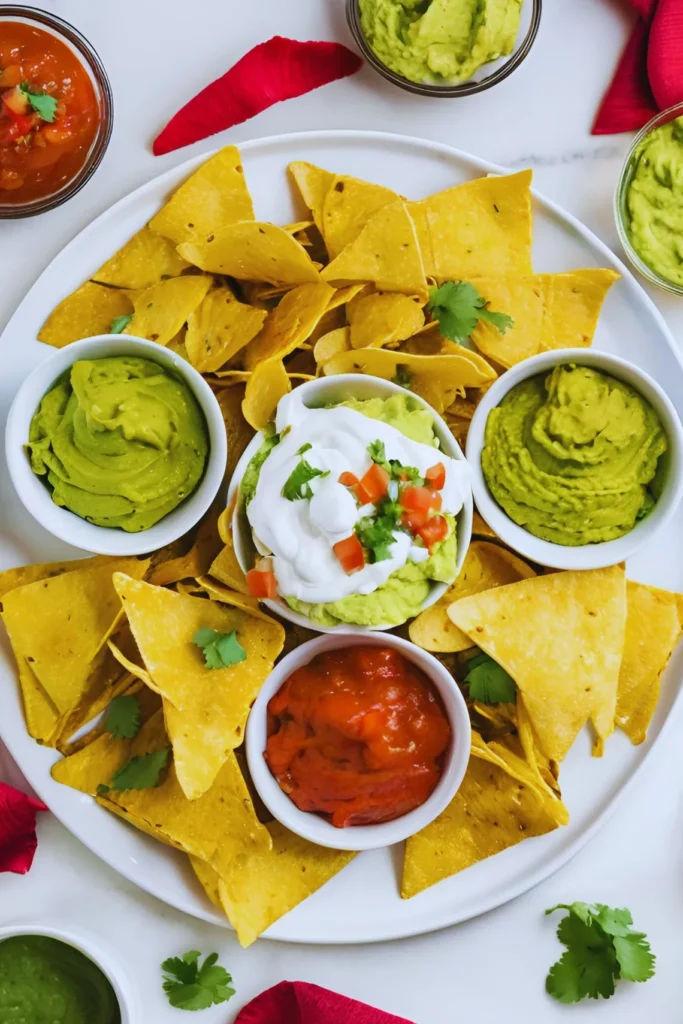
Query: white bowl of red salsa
[358, 742]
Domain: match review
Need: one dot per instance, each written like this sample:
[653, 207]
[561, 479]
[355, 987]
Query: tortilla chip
[60, 625]
[267, 385]
[177, 344]
[10, 579]
[572, 306]
[386, 253]
[331, 344]
[228, 378]
[252, 251]
[161, 311]
[227, 569]
[260, 889]
[561, 638]
[208, 878]
[86, 312]
[541, 766]
[142, 262]
[219, 328]
[238, 430]
[477, 229]
[348, 205]
[437, 379]
[653, 628]
[40, 713]
[196, 561]
[289, 324]
[213, 197]
[342, 296]
[481, 528]
[237, 599]
[313, 184]
[383, 319]
[516, 764]
[486, 566]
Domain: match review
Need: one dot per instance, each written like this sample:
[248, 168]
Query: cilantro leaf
[190, 986]
[378, 452]
[458, 307]
[122, 717]
[377, 535]
[304, 448]
[119, 323]
[488, 681]
[221, 650]
[45, 106]
[403, 377]
[141, 772]
[396, 470]
[636, 959]
[580, 973]
[297, 485]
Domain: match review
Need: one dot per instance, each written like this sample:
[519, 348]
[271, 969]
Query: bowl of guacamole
[576, 458]
[116, 445]
[353, 511]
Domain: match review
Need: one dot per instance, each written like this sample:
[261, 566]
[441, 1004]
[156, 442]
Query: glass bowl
[621, 214]
[485, 77]
[72, 38]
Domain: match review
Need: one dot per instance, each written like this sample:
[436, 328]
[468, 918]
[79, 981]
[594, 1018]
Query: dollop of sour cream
[300, 534]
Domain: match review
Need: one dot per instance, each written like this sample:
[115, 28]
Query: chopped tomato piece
[261, 580]
[420, 499]
[436, 476]
[414, 519]
[348, 479]
[16, 102]
[433, 531]
[373, 485]
[350, 554]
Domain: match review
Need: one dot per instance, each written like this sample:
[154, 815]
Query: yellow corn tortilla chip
[342, 296]
[228, 378]
[653, 628]
[144, 261]
[60, 625]
[161, 311]
[386, 253]
[477, 229]
[259, 889]
[541, 766]
[208, 879]
[196, 561]
[561, 639]
[572, 306]
[40, 713]
[313, 183]
[219, 328]
[237, 599]
[480, 528]
[252, 251]
[212, 197]
[86, 312]
[238, 430]
[348, 205]
[266, 386]
[517, 765]
[437, 379]
[459, 427]
[177, 344]
[331, 344]
[19, 576]
[290, 324]
[384, 318]
[486, 566]
[227, 569]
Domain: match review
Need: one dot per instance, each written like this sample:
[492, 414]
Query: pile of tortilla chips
[257, 308]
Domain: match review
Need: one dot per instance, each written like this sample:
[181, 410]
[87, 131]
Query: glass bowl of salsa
[56, 111]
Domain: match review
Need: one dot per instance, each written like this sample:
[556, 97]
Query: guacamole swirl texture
[121, 441]
[442, 41]
[572, 457]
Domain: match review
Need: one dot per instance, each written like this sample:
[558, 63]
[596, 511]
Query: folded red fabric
[297, 1002]
[18, 839]
[276, 70]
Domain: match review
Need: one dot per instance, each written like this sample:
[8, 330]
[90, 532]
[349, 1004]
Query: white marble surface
[157, 55]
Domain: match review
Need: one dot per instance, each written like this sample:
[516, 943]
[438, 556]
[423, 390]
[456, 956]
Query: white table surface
[157, 54]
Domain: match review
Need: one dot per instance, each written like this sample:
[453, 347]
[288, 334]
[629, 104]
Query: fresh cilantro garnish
[190, 986]
[601, 949]
[140, 772]
[458, 307]
[305, 448]
[45, 106]
[119, 323]
[395, 469]
[403, 377]
[221, 650]
[122, 717]
[377, 535]
[377, 452]
[488, 681]
[297, 484]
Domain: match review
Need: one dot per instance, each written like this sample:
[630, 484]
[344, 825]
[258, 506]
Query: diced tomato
[433, 531]
[350, 554]
[348, 479]
[261, 580]
[373, 485]
[414, 519]
[420, 499]
[436, 476]
[16, 102]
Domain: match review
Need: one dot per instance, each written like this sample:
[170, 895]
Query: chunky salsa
[49, 113]
[358, 735]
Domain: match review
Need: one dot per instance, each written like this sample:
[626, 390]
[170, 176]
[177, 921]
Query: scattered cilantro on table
[458, 307]
[119, 323]
[190, 986]
[122, 717]
[602, 948]
[488, 681]
[45, 106]
[221, 650]
[297, 485]
[141, 772]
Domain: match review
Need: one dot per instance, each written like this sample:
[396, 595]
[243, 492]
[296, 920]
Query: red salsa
[358, 735]
[49, 113]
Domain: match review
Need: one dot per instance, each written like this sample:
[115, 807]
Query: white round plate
[362, 904]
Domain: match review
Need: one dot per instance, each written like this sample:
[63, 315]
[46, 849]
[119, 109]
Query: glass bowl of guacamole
[444, 47]
[648, 205]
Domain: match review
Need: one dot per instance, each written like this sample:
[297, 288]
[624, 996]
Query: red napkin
[649, 76]
[297, 1002]
[18, 839]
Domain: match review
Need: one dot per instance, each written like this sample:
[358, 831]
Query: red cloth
[649, 76]
[297, 1002]
[18, 839]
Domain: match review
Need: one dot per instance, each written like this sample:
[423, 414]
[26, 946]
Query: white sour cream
[300, 534]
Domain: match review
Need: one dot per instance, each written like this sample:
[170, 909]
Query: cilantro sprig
[119, 323]
[142, 772]
[191, 986]
[488, 681]
[396, 470]
[45, 106]
[122, 717]
[298, 483]
[458, 307]
[221, 650]
[602, 948]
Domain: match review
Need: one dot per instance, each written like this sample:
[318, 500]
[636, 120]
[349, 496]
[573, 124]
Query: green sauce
[45, 981]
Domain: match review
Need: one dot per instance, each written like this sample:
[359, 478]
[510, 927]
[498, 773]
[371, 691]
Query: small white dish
[359, 837]
[330, 391]
[89, 945]
[587, 556]
[64, 524]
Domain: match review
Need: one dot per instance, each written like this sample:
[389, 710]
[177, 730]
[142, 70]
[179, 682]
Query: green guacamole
[121, 441]
[572, 457]
[654, 201]
[45, 981]
[442, 41]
